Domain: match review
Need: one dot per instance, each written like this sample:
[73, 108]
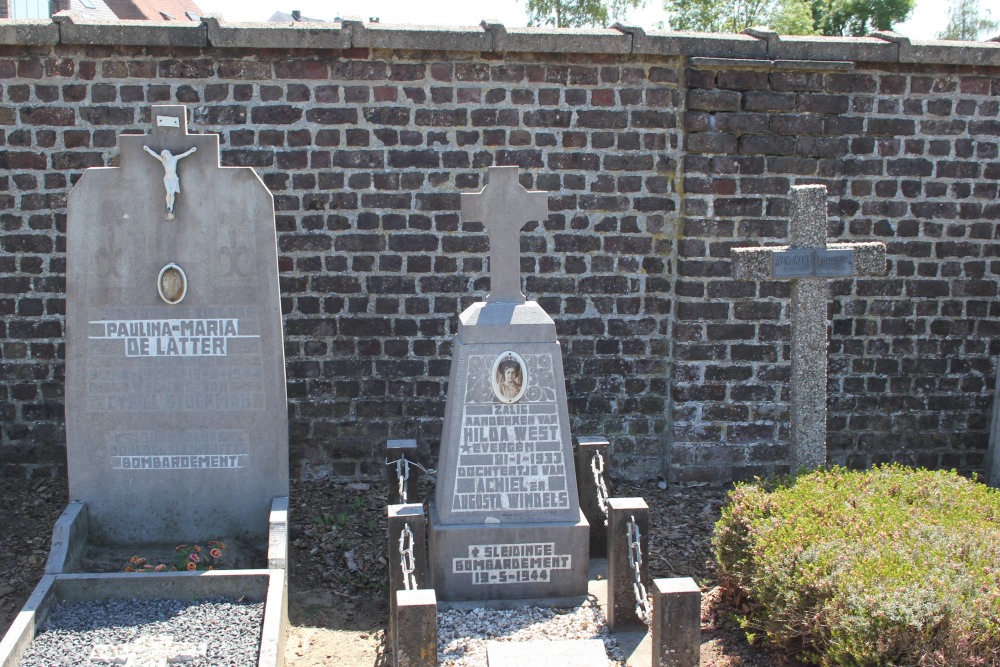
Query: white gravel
[462, 635]
[71, 631]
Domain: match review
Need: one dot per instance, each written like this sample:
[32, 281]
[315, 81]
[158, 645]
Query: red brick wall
[657, 166]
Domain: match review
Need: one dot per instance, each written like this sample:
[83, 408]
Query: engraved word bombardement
[511, 563]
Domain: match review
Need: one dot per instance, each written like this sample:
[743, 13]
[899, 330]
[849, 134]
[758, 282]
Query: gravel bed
[69, 634]
[462, 635]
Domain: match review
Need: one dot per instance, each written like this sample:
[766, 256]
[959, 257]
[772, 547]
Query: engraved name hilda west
[511, 563]
[171, 338]
[510, 455]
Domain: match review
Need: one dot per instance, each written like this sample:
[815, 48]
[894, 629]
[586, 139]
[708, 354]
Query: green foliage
[885, 567]
[578, 13]
[859, 17]
[966, 22]
[789, 17]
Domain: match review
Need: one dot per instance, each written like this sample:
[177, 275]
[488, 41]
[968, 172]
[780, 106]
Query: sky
[927, 19]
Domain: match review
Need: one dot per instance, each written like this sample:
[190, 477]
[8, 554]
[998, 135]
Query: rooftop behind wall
[661, 151]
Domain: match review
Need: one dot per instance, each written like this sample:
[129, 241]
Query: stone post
[589, 447]
[621, 578]
[416, 637]
[676, 625]
[400, 517]
[394, 451]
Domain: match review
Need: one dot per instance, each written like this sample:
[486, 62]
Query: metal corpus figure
[171, 182]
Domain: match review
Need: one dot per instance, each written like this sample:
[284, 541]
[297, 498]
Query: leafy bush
[889, 566]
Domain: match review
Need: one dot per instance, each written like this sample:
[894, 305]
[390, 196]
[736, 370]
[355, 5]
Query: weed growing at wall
[889, 566]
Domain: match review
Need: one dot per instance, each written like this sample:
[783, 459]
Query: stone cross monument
[808, 262]
[505, 521]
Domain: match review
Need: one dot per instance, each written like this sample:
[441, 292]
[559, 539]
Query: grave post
[416, 640]
[808, 262]
[402, 474]
[593, 456]
[625, 556]
[407, 555]
[676, 625]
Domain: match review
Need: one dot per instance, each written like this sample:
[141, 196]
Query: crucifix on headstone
[808, 262]
[504, 207]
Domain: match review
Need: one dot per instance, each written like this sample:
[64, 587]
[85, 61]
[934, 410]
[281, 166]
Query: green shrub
[889, 566]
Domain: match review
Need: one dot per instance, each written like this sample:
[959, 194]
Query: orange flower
[160, 568]
[133, 559]
[128, 568]
[191, 565]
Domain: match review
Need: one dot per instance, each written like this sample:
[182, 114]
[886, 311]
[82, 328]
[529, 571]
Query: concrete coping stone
[74, 28]
[770, 65]
[492, 36]
[29, 32]
[276, 35]
[420, 37]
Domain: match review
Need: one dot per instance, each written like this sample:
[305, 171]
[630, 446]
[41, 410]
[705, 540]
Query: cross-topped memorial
[505, 520]
[808, 262]
[504, 207]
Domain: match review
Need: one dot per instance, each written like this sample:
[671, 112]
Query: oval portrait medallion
[509, 377]
[172, 283]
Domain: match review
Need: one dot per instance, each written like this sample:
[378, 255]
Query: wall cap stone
[294, 35]
[29, 32]
[74, 28]
[492, 36]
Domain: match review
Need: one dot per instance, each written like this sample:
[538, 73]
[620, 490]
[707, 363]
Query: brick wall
[659, 160]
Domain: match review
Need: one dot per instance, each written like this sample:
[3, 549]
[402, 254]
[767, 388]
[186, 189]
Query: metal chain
[406, 562]
[402, 476]
[635, 562]
[597, 467]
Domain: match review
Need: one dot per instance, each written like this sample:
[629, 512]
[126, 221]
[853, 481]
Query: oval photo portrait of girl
[508, 377]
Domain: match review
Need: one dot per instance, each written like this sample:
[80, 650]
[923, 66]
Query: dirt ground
[338, 599]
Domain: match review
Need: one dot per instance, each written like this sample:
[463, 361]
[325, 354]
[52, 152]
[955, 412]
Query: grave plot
[506, 531]
[177, 436]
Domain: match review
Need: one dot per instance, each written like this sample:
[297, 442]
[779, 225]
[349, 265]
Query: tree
[858, 17]
[789, 17]
[578, 13]
[965, 22]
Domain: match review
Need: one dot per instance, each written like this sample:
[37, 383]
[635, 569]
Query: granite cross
[504, 207]
[808, 262]
[147, 651]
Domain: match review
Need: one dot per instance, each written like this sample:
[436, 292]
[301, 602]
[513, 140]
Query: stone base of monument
[497, 561]
[60, 584]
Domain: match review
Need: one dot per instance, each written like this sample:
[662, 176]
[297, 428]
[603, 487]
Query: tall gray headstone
[176, 417]
[506, 520]
[809, 262]
[993, 452]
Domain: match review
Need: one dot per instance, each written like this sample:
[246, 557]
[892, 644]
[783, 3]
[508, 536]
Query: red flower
[191, 566]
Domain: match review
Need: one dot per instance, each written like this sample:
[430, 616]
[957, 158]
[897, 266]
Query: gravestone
[809, 262]
[176, 416]
[505, 521]
[993, 450]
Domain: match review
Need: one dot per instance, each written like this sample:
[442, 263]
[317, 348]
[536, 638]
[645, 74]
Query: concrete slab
[566, 653]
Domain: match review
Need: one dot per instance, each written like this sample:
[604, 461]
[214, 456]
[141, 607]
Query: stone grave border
[69, 540]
